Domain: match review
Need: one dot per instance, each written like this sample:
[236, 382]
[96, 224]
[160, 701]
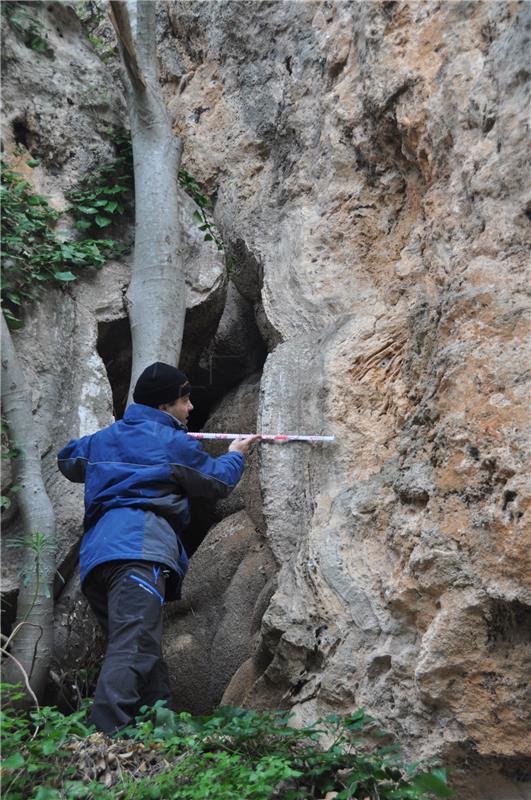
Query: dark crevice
[508, 622]
[65, 570]
[115, 348]
[22, 133]
[9, 611]
[508, 498]
[213, 377]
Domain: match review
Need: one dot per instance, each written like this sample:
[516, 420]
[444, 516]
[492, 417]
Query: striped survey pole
[265, 437]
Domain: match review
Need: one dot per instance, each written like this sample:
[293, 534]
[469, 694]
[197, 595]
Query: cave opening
[115, 349]
[22, 133]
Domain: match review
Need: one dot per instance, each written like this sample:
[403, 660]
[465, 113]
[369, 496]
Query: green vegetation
[235, 753]
[92, 15]
[36, 544]
[105, 51]
[191, 187]
[105, 193]
[32, 253]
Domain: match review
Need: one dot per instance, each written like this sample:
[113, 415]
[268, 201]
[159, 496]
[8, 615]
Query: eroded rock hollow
[369, 166]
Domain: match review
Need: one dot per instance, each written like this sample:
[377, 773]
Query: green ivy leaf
[102, 222]
[197, 217]
[430, 782]
[47, 793]
[83, 224]
[64, 276]
[33, 162]
[13, 297]
[87, 209]
[13, 323]
[16, 761]
[111, 205]
[20, 187]
[49, 746]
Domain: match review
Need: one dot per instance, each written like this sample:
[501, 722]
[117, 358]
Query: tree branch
[122, 25]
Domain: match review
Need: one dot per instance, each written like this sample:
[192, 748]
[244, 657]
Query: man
[138, 475]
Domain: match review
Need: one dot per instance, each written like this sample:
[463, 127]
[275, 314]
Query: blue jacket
[138, 475]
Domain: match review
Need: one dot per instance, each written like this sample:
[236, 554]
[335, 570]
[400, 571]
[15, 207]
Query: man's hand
[244, 445]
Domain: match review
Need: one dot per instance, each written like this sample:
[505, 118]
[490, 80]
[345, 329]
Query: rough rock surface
[211, 631]
[371, 159]
[237, 413]
[369, 162]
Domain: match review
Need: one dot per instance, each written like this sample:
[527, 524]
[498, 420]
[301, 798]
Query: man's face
[179, 409]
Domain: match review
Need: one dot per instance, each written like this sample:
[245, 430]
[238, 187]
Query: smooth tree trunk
[156, 295]
[31, 642]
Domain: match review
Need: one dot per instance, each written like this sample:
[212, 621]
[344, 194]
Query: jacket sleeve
[200, 475]
[72, 459]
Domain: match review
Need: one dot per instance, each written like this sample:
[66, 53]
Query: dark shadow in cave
[9, 611]
[213, 378]
[209, 386]
[115, 348]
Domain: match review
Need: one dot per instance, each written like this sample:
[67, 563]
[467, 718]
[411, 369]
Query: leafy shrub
[235, 753]
[204, 206]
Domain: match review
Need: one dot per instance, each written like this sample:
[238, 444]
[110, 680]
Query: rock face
[369, 164]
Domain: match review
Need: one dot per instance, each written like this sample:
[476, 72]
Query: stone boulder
[211, 631]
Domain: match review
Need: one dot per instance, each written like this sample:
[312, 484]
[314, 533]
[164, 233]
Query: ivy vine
[33, 254]
[106, 193]
[200, 216]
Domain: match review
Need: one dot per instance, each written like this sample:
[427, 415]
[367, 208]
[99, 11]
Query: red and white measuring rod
[266, 437]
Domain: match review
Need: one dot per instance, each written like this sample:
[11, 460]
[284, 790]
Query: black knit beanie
[160, 383]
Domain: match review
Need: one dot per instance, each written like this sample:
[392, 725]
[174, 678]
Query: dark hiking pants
[127, 599]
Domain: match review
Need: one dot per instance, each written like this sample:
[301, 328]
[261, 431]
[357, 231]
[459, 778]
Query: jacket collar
[137, 412]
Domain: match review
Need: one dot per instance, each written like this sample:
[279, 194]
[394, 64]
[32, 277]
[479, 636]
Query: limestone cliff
[372, 158]
[369, 164]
